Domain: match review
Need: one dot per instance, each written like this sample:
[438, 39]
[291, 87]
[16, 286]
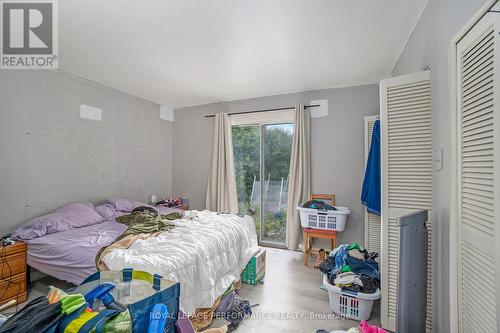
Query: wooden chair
[310, 234]
[328, 198]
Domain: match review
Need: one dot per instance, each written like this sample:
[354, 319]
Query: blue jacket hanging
[371, 191]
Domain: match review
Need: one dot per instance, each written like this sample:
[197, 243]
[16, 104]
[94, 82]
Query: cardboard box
[256, 268]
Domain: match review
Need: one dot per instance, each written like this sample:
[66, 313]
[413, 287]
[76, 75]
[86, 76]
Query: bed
[205, 252]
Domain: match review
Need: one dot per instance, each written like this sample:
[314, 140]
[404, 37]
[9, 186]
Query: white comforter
[205, 254]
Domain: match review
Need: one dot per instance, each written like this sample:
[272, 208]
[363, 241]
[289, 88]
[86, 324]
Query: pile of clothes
[351, 267]
[318, 204]
[229, 307]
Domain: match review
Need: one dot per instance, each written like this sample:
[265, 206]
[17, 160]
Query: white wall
[337, 146]
[429, 46]
[49, 156]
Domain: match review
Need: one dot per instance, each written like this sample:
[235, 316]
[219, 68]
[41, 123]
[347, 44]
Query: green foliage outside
[277, 149]
[246, 148]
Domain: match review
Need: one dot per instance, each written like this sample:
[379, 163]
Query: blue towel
[371, 191]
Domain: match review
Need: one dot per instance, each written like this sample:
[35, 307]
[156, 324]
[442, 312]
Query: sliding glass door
[262, 161]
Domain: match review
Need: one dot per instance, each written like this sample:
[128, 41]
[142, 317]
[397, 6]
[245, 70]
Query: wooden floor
[292, 291]
[290, 300]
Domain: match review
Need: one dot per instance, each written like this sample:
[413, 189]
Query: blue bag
[154, 288]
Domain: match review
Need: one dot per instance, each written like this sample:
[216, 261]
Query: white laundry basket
[352, 305]
[324, 219]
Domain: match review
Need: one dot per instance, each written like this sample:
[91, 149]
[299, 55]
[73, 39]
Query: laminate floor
[290, 300]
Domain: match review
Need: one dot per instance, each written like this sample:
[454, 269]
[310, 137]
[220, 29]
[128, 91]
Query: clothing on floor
[222, 329]
[239, 310]
[371, 190]
[229, 306]
[364, 327]
[226, 302]
[36, 316]
[354, 330]
[202, 318]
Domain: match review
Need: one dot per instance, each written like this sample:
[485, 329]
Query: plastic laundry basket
[352, 305]
[324, 219]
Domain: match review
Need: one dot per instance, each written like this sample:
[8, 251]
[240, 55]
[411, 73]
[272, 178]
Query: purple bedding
[70, 255]
[65, 247]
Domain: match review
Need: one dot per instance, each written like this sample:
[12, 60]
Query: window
[262, 161]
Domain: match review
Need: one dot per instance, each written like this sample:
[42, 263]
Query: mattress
[70, 255]
[205, 255]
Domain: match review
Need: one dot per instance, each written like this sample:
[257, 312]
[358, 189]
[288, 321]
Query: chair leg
[306, 248]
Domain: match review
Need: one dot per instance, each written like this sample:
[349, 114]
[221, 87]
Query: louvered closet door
[478, 177]
[372, 221]
[406, 176]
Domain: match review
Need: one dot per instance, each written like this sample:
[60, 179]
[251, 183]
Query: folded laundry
[347, 279]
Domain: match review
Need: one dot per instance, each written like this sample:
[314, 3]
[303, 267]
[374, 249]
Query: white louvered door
[478, 134]
[372, 221]
[406, 176]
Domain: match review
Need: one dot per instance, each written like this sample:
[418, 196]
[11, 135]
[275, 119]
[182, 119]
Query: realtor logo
[29, 34]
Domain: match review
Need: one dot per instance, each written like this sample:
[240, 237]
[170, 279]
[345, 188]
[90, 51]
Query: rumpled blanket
[142, 223]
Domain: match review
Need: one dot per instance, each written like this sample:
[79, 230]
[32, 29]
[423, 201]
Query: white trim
[453, 248]
[367, 152]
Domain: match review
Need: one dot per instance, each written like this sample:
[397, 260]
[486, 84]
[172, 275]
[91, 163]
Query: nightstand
[13, 279]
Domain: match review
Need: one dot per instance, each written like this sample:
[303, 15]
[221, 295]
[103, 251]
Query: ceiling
[187, 52]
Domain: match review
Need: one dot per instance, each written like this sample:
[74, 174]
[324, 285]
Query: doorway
[262, 162]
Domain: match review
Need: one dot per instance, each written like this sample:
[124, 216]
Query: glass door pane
[246, 148]
[276, 150]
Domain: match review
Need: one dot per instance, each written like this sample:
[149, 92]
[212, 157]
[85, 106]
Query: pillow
[125, 205]
[70, 216]
[107, 211]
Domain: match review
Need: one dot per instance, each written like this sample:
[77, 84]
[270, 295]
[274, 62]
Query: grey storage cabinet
[412, 279]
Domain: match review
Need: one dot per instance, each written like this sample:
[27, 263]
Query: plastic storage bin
[324, 219]
[352, 305]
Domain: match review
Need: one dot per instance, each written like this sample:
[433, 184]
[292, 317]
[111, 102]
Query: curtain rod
[266, 110]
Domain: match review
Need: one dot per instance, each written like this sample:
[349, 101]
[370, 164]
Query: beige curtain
[221, 191]
[299, 179]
